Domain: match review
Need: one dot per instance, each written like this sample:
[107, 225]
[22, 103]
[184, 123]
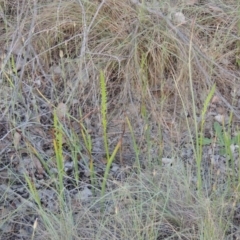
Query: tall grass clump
[111, 157]
[152, 66]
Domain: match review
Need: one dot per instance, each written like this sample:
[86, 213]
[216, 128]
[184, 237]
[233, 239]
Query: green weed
[104, 124]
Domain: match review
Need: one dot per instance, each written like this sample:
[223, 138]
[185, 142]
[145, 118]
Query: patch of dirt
[53, 64]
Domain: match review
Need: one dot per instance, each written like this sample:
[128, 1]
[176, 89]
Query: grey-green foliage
[223, 139]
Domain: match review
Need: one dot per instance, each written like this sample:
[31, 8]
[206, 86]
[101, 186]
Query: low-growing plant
[57, 143]
[111, 157]
[223, 139]
[135, 146]
[88, 144]
[227, 145]
[199, 141]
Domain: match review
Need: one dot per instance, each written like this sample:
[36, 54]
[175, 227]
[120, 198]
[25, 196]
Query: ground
[119, 119]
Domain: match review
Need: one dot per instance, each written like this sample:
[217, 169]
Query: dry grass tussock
[145, 57]
[160, 60]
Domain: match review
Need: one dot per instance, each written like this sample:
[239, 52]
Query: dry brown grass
[133, 45]
[52, 52]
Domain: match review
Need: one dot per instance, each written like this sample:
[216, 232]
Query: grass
[111, 124]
